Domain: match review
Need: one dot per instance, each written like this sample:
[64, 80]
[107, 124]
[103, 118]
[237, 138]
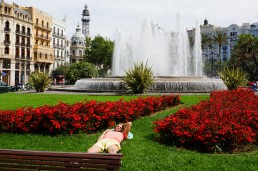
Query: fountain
[176, 65]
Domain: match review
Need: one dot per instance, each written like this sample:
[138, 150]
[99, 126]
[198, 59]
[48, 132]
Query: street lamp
[212, 61]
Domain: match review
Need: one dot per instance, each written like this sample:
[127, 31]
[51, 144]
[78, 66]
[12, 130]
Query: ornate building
[15, 43]
[78, 39]
[43, 53]
[77, 46]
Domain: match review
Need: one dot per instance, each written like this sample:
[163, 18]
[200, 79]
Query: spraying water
[168, 53]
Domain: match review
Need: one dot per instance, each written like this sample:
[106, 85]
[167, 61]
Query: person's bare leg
[94, 149]
[113, 149]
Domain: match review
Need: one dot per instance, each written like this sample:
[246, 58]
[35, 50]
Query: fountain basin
[161, 85]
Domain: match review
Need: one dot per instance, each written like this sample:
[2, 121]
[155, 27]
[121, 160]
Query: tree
[61, 70]
[80, 70]
[244, 55]
[99, 52]
[220, 38]
[207, 41]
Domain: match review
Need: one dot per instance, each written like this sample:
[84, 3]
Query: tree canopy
[244, 55]
[80, 70]
[99, 52]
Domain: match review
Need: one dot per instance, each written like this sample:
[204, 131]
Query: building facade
[232, 32]
[15, 44]
[60, 43]
[77, 46]
[43, 52]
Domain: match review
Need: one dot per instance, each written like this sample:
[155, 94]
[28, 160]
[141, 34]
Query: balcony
[17, 43]
[7, 42]
[43, 37]
[22, 57]
[23, 33]
[58, 35]
[7, 30]
[57, 46]
[28, 45]
[43, 27]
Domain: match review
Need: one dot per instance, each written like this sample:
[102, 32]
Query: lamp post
[212, 61]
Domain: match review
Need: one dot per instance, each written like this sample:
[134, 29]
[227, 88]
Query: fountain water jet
[168, 53]
[177, 66]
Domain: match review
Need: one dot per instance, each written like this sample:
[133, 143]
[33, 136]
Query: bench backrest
[46, 160]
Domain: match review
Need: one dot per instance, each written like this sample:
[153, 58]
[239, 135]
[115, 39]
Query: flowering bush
[86, 116]
[225, 122]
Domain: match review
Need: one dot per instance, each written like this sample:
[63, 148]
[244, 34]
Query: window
[28, 53]
[28, 31]
[23, 53]
[7, 37]
[17, 28]
[23, 30]
[6, 50]
[28, 41]
[17, 52]
[80, 52]
[7, 25]
[73, 52]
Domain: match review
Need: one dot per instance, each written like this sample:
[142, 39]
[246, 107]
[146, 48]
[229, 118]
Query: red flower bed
[86, 116]
[228, 121]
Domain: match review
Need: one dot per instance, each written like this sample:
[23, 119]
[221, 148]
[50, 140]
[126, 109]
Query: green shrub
[80, 70]
[139, 78]
[233, 78]
[39, 81]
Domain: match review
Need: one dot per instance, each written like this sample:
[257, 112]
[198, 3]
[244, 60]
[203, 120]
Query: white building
[60, 45]
[232, 32]
[77, 46]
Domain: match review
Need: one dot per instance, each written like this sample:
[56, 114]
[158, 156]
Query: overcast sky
[107, 15]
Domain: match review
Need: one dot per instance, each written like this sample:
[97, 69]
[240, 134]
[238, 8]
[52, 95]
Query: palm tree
[220, 38]
[207, 41]
[245, 54]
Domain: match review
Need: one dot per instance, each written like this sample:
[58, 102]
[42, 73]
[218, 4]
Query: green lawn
[140, 153]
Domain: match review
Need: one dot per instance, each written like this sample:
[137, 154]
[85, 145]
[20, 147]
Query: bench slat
[61, 159]
[63, 154]
[22, 163]
[46, 160]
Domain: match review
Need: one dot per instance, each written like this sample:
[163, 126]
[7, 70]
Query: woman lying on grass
[110, 139]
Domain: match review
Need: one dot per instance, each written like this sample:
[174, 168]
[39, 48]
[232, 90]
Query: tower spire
[85, 21]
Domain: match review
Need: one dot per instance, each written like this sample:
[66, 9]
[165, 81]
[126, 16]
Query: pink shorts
[107, 142]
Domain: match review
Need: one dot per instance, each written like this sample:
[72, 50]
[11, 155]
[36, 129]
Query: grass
[17, 100]
[140, 153]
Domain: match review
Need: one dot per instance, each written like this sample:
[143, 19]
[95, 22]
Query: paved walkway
[98, 93]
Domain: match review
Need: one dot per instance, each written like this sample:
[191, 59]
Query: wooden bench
[46, 160]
